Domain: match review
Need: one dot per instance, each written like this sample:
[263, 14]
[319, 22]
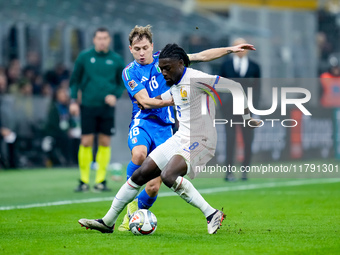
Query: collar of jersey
[185, 69]
[101, 53]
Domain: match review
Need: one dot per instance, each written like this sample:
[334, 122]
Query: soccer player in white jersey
[144, 81]
[193, 144]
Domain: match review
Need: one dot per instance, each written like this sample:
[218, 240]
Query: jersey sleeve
[204, 81]
[225, 85]
[166, 95]
[131, 81]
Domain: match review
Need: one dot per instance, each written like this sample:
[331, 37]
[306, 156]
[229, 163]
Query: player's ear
[181, 62]
[130, 48]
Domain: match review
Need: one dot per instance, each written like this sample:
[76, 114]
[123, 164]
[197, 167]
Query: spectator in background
[236, 68]
[29, 73]
[97, 73]
[24, 109]
[33, 62]
[23, 88]
[38, 83]
[324, 50]
[330, 84]
[7, 136]
[61, 148]
[324, 46]
[3, 84]
[46, 90]
[13, 72]
[57, 75]
[2, 70]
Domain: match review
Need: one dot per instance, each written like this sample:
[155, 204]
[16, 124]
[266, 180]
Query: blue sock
[130, 169]
[144, 200]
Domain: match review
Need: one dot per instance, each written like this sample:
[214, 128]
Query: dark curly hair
[175, 52]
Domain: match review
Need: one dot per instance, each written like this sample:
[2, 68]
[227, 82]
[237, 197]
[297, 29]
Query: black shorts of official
[95, 120]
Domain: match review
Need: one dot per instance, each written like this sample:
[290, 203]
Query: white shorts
[196, 153]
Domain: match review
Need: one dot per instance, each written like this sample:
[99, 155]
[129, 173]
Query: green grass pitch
[291, 217]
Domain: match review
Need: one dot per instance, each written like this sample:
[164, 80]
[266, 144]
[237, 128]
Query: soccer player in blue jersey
[150, 128]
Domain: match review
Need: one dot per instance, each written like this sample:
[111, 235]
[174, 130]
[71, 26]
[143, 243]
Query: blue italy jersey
[137, 77]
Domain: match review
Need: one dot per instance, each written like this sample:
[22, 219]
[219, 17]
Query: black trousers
[10, 161]
[248, 137]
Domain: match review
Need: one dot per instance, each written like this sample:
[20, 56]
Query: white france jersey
[196, 137]
[191, 101]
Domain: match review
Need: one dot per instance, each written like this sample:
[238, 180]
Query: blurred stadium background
[40, 40]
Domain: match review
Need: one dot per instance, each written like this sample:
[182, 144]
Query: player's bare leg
[153, 186]
[151, 190]
[148, 171]
[139, 154]
[172, 176]
[148, 196]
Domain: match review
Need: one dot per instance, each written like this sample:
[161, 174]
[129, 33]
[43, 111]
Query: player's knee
[138, 157]
[87, 140]
[152, 188]
[86, 143]
[104, 140]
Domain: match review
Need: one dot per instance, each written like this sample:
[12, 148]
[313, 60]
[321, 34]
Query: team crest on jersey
[109, 62]
[184, 95]
[134, 140]
[132, 84]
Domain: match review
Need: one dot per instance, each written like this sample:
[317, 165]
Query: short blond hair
[139, 32]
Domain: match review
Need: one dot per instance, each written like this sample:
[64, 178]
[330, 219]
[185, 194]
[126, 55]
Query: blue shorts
[148, 132]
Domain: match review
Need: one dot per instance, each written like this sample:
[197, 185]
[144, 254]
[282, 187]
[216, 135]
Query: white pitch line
[171, 194]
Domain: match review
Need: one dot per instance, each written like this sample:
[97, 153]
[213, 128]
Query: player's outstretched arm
[215, 53]
[225, 85]
[147, 102]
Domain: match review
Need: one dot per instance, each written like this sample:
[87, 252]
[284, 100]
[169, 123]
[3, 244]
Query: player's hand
[169, 102]
[242, 47]
[74, 109]
[251, 123]
[111, 100]
[140, 106]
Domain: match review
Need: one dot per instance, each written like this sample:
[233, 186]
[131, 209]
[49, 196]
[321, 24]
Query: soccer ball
[143, 222]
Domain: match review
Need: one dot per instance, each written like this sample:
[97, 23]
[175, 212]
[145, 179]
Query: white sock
[124, 196]
[189, 193]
